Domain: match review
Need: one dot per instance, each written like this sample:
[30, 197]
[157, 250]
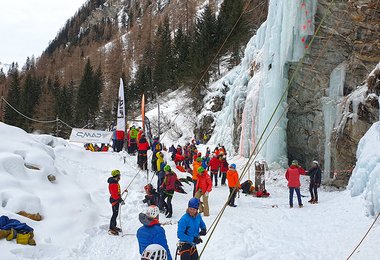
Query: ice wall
[365, 178]
[256, 90]
[332, 110]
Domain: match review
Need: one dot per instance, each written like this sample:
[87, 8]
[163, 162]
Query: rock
[51, 178]
[36, 217]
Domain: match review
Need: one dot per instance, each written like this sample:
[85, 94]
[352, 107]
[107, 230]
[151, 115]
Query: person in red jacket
[168, 188]
[204, 186]
[293, 176]
[214, 165]
[115, 200]
[142, 147]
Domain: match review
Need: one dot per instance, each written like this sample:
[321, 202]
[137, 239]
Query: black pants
[168, 203]
[224, 178]
[142, 160]
[119, 145]
[313, 191]
[232, 196]
[188, 251]
[115, 212]
[195, 185]
[154, 163]
[214, 175]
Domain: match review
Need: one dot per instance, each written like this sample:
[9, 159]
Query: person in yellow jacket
[233, 184]
[196, 164]
[160, 159]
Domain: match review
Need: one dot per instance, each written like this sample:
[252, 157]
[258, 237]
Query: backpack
[246, 186]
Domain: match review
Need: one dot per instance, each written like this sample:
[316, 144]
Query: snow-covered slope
[76, 211]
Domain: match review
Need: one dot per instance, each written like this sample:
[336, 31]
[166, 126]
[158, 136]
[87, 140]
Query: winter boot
[311, 201]
[117, 229]
[301, 206]
[113, 232]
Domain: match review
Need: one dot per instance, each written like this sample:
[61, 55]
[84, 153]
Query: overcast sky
[27, 26]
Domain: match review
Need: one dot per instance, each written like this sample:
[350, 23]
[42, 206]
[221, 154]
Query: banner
[90, 136]
[120, 126]
[143, 112]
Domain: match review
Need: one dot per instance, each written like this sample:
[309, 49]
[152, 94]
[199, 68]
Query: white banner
[121, 109]
[90, 136]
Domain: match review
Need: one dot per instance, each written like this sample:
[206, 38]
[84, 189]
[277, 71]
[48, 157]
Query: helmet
[152, 211]
[233, 166]
[294, 162]
[199, 159]
[201, 169]
[316, 163]
[115, 173]
[155, 138]
[154, 252]
[193, 203]
[167, 168]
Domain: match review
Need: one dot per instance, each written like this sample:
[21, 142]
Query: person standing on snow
[151, 232]
[115, 200]
[190, 228]
[196, 164]
[292, 175]
[315, 182]
[223, 169]
[204, 186]
[233, 184]
[214, 168]
[168, 188]
[142, 159]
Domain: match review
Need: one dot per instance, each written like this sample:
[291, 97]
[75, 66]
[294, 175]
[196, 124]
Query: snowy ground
[76, 210]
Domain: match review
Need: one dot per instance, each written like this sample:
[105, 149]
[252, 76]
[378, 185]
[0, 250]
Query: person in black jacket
[315, 181]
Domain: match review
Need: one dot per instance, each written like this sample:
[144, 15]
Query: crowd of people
[205, 171]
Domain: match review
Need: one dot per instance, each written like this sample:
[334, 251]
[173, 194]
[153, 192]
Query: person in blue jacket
[151, 232]
[190, 228]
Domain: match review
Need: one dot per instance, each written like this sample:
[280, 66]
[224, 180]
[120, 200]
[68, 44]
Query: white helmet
[152, 211]
[154, 252]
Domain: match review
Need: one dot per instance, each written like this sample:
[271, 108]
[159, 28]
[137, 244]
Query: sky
[27, 27]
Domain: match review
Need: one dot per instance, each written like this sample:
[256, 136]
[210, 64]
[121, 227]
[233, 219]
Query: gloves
[203, 232]
[197, 240]
[122, 202]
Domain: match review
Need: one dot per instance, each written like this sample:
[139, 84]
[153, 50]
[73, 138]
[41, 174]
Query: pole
[158, 118]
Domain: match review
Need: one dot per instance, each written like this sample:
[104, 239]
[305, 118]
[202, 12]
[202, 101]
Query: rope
[364, 236]
[250, 161]
[122, 234]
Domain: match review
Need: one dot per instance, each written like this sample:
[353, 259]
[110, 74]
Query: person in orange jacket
[233, 184]
[203, 188]
[196, 164]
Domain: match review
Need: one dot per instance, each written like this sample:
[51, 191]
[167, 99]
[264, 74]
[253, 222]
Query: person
[115, 200]
[196, 164]
[315, 182]
[133, 139]
[190, 228]
[154, 251]
[143, 147]
[292, 175]
[167, 190]
[203, 188]
[223, 169]
[156, 147]
[152, 196]
[119, 140]
[233, 184]
[151, 232]
[214, 168]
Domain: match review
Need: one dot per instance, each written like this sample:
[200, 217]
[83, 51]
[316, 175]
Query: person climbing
[214, 168]
[151, 232]
[115, 200]
[203, 188]
[292, 175]
[143, 147]
[223, 169]
[190, 227]
[196, 164]
[233, 184]
[168, 188]
[315, 181]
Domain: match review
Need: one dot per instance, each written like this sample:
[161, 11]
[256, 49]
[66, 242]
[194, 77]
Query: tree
[83, 106]
[30, 94]
[45, 109]
[181, 56]
[13, 97]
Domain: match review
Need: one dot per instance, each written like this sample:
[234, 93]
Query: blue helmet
[233, 166]
[194, 203]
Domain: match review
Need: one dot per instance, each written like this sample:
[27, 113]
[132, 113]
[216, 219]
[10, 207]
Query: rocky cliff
[348, 47]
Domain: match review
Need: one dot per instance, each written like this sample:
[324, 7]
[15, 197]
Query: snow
[76, 211]
[257, 87]
[365, 179]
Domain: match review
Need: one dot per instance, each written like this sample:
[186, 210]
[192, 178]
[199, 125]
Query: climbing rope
[364, 236]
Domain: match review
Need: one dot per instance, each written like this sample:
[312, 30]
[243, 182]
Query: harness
[192, 250]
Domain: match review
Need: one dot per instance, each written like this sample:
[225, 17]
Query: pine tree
[181, 56]
[84, 98]
[45, 109]
[10, 115]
